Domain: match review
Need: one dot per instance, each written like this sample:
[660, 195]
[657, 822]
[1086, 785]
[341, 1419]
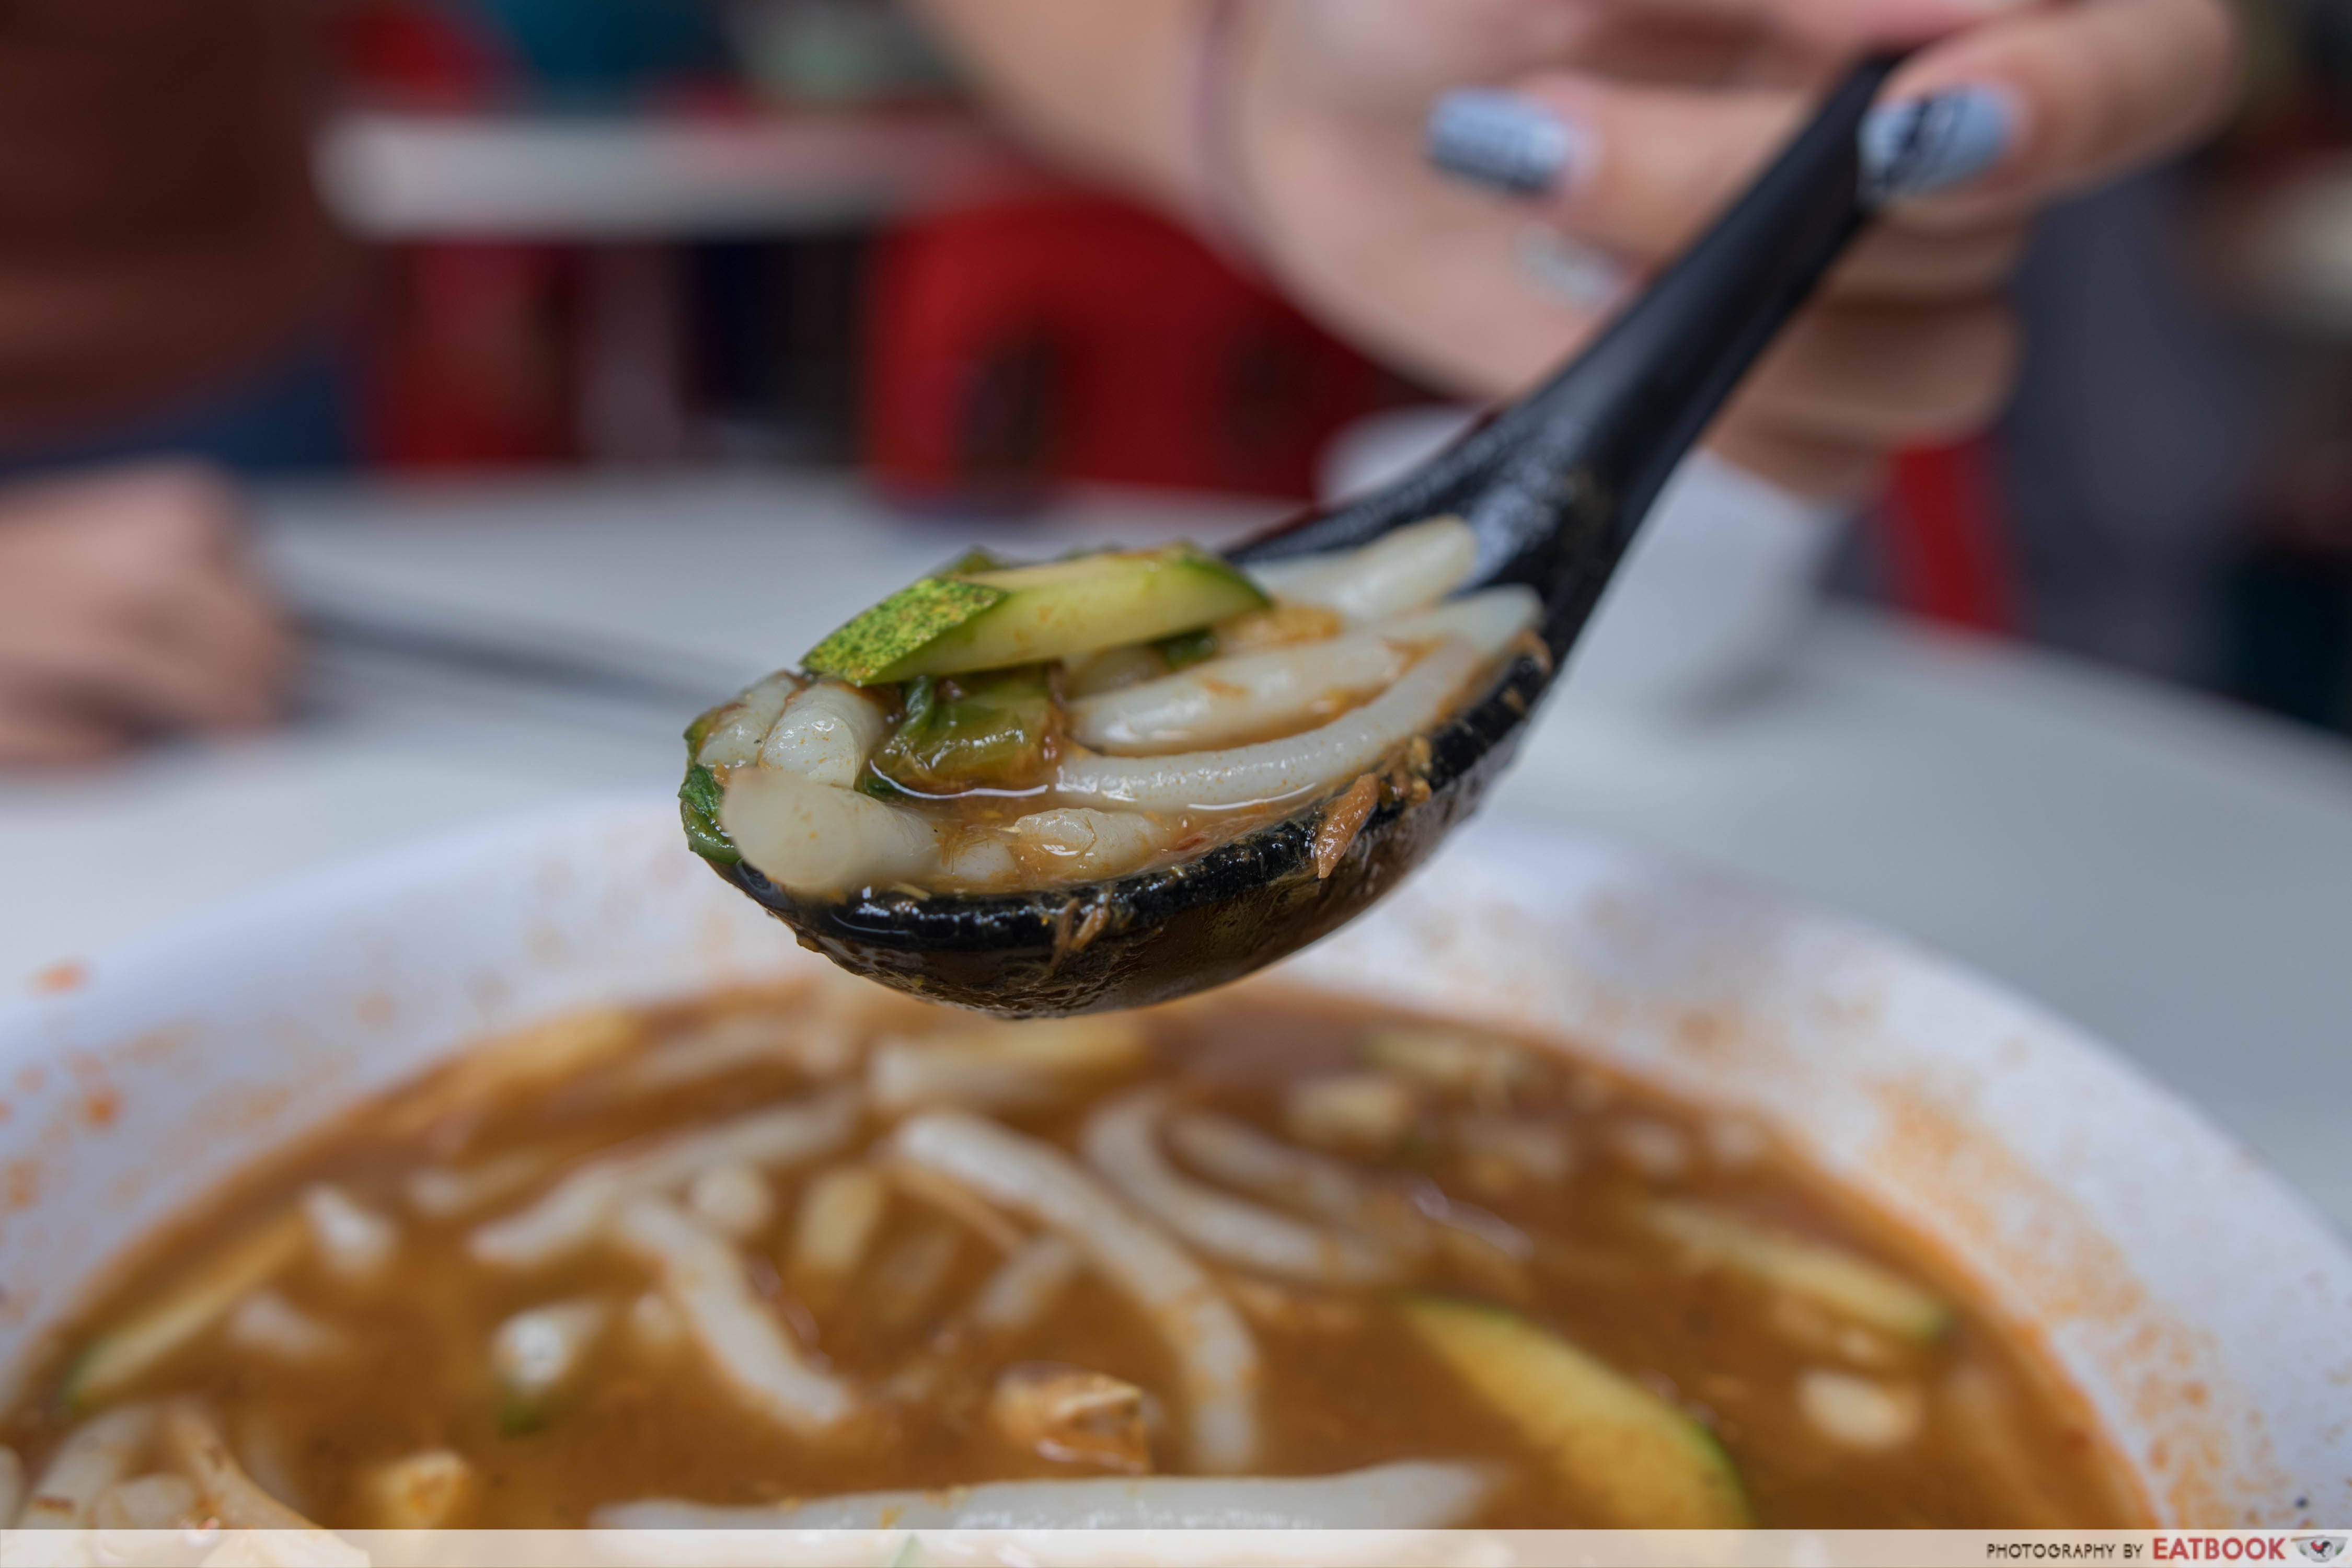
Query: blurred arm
[129, 606]
[1100, 88]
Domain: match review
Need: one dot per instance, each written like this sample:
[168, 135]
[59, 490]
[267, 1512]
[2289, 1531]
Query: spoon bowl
[1552, 487]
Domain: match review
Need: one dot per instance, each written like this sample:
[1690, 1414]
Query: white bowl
[2201, 1307]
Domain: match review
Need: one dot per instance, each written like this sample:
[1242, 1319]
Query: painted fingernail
[1500, 141]
[1919, 145]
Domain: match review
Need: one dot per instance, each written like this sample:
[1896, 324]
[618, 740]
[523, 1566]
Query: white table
[406, 176]
[2175, 875]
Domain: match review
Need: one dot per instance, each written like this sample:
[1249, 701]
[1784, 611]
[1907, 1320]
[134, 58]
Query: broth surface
[356, 1366]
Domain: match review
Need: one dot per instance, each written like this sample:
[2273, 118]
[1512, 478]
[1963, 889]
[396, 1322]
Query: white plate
[2200, 1305]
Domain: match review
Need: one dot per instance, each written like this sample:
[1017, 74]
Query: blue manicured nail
[1499, 140]
[1923, 144]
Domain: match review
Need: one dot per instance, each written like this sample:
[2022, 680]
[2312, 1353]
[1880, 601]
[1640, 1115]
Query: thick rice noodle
[1076, 843]
[1217, 1359]
[96, 1455]
[824, 734]
[1024, 1287]
[817, 838]
[703, 1278]
[1418, 565]
[1411, 1495]
[577, 1209]
[734, 741]
[1121, 1141]
[1289, 769]
[1239, 1155]
[1229, 700]
[230, 1495]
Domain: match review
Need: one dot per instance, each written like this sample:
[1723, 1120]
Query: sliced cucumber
[1829, 1277]
[697, 808]
[144, 1340]
[881, 645]
[989, 730]
[1195, 646]
[1031, 614]
[1634, 1460]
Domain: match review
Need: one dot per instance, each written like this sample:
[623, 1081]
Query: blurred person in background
[165, 273]
[1607, 132]
[162, 261]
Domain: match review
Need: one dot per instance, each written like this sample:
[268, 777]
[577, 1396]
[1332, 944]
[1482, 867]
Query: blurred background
[634, 233]
[603, 234]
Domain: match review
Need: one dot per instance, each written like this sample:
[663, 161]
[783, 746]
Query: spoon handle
[1556, 484]
[1645, 389]
[1610, 430]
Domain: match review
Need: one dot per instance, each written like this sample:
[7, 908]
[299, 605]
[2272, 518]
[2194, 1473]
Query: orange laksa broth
[774, 1256]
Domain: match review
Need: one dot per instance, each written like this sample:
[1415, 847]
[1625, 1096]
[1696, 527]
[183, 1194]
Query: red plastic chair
[1942, 540]
[1072, 337]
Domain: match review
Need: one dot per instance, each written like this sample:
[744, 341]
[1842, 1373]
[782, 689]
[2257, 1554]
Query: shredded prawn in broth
[810, 1255]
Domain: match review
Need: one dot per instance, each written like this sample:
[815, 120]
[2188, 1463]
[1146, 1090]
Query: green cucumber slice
[697, 809]
[1195, 646]
[1031, 614]
[1635, 1460]
[149, 1337]
[988, 729]
[882, 644]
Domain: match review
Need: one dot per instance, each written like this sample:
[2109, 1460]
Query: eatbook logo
[2320, 1548]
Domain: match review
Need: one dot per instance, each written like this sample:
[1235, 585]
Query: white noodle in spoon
[1226, 699]
[1413, 566]
[824, 734]
[1287, 769]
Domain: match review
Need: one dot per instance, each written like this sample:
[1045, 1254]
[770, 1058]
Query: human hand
[127, 607]
[1618, 128]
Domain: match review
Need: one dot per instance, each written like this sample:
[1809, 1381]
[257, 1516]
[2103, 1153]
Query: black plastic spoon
[1553, 486]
